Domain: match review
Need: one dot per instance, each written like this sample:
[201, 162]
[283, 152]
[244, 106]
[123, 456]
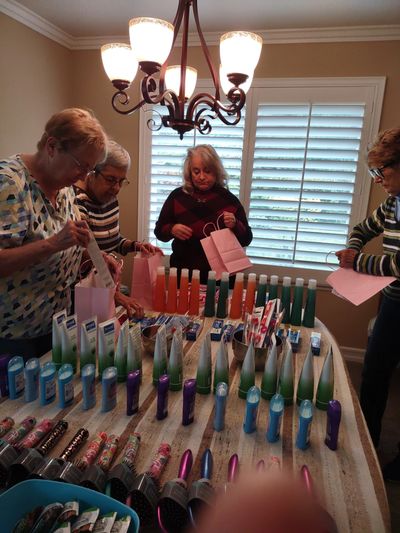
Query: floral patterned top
[29, 297]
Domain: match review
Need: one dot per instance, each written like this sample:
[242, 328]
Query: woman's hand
[229, 220]
[346, 257]
[147, 248]
[114, 266]
[133, 308]
[74, 233]
[182, 232]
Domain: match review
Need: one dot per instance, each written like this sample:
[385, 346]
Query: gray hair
[117, 157]
[210, 158]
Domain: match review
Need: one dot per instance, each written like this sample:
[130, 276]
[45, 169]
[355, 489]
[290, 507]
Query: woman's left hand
[133, 308]
[229, 219]
[147, 248]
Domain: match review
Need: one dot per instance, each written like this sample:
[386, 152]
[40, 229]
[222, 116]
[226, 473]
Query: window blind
[302, 183]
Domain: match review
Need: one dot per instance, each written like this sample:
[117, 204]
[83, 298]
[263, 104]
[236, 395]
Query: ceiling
[99, 18]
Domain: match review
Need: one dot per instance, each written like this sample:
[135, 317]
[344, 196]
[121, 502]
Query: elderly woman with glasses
[97, 200]
[383, 351]
[41, 236]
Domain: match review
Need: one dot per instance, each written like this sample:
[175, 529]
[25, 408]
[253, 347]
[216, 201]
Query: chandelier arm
[177, 24]
[234, 113]
[121, 98]
[214, 73]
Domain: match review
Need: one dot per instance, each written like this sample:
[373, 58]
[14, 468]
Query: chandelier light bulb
[240, 52]
[151, 39]
[119, 62]
[173, 79]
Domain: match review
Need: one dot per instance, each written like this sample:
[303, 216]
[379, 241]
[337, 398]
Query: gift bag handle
[208, 224]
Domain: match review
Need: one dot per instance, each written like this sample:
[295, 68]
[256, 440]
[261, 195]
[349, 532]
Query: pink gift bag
[224, 252]
[92, 300]
[144, 274]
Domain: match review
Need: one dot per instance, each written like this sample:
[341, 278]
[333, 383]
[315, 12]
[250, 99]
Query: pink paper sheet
[356, 287]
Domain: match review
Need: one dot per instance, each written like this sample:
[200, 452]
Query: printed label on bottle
[19, 382]
[50, 389]
[68, 391]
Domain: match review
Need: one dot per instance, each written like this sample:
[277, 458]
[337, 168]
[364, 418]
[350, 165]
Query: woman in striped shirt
[98, 203]
[383, 350]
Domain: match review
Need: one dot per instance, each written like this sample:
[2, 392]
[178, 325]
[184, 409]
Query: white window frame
[370, 91]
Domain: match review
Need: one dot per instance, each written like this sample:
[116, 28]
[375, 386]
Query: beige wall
[35, 83]
[43, 77]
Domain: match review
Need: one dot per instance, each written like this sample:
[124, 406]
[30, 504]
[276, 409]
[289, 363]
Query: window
[295, 160]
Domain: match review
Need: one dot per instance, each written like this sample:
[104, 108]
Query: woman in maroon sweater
[202, 198]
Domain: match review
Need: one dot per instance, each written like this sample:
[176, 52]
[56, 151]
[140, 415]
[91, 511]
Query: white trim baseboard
[388, 32]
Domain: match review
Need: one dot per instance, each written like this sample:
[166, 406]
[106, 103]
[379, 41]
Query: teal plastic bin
[24, 497]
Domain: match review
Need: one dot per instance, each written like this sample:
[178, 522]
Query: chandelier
[152, 42]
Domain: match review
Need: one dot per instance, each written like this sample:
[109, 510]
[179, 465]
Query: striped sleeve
[367, 229]
[378, 265]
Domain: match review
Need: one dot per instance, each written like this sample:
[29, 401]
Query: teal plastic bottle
[248, 373]
[285, 299]
[305, 386]
[269, 379]
[209, 306]
[297, 306]
[261, 290]
[309, 310]
[273, 288]
[326, 383]
[222, 306]
[286, 387]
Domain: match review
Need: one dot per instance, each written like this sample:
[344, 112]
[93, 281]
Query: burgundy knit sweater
[195, 210]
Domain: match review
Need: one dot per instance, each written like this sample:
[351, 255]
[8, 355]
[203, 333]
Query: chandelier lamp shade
[173, 86]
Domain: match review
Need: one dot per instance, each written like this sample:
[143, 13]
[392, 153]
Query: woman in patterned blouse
[41, 239]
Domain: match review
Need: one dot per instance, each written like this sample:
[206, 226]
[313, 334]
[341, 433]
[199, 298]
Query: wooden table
[348, 481]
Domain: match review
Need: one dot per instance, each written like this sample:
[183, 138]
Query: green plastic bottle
[297, 306]
[286, 387]
[222, 306]
[160, 355]
[273, 288]
[261, 290]
[221, 371]
[305, 386]
[175, 363]
[203, 377]
[248, 373]
[309, 310]
[134, 355]
[209, 306]
[269, 379]
[326, 383]
[285, 299]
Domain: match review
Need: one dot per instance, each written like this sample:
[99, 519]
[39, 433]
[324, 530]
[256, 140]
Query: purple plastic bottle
[333, 414]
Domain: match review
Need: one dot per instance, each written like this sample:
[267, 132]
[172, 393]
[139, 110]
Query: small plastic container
[34, 492]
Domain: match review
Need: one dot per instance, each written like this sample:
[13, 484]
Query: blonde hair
[211, 159]
[74, 127]
[386, 149]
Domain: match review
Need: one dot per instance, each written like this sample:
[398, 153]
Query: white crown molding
[282, 36]
[355, 355]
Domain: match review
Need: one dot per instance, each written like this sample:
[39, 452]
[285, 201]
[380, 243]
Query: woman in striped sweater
[383, 350]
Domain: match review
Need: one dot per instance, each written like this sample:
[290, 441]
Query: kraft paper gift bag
[144, 274]
[92, 300]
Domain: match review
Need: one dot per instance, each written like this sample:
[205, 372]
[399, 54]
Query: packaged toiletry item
[306, 411]
[315, 339]
[334, 415]
[216, 330]
[162, 397]
[109, 389]
[65, 386]
[134, 352]
[31, 374]
[88, 346]
[58, 319]
[203, 376]
[16, 379]
[105, 522]
[106, 346]
[276, 408]
[88, 386]
[193, 332]
[132, 392]
[47, 378]
[228, 330]
[86, 520]
[175, 363]
[189, 397]
[69, 341]
[221, 394]
[252, 402]
[120, 360]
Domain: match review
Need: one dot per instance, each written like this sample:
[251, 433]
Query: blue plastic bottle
[16, 381]
[252, 402]
[306, 411]
[65, 385]
[276, 408]
[47, 383]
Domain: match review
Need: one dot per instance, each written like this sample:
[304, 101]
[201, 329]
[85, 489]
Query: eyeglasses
[376, 173]
[83, 169]
[112, 180]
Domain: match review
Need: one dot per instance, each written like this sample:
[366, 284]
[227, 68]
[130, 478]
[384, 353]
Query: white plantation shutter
[296, 161]
[302, 184]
